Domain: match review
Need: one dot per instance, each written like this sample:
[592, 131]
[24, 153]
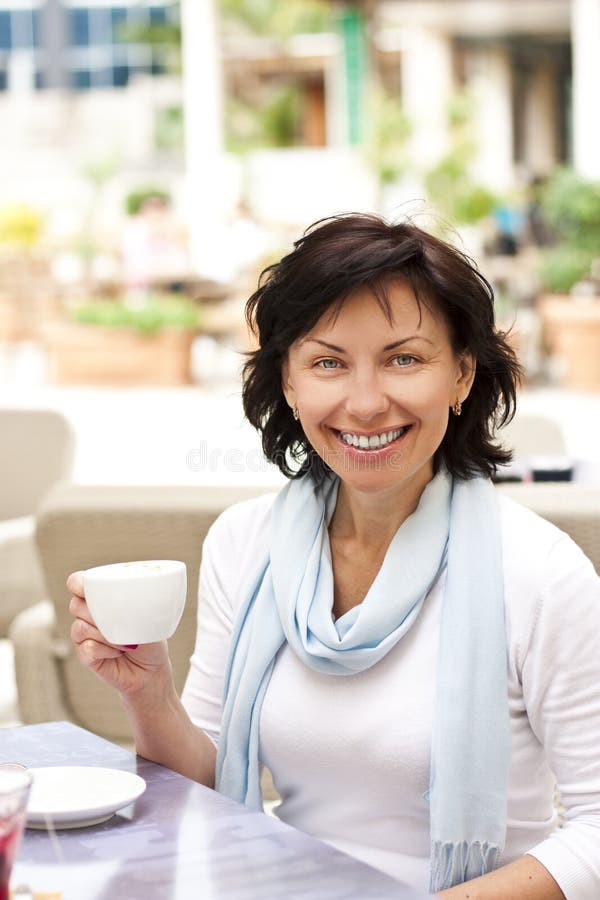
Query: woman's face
[374, 395]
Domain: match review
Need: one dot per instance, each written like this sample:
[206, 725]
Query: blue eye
[328, 363]
[404, 360]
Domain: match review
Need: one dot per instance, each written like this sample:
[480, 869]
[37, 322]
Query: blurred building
[76, 44]
[515, 60]
[530, 67]
[87, 110]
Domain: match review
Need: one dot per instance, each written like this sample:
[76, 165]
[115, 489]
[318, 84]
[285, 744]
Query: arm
[162, 730]
[164, 733]
[181, 734]
[525, 878]
[202, 694]
[560, 673]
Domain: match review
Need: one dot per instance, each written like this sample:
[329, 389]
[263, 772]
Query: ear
[288, 391]
[467, 366]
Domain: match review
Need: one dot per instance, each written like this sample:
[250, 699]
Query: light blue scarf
[456, 523]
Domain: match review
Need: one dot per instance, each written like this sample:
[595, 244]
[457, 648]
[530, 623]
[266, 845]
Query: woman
[414, 658]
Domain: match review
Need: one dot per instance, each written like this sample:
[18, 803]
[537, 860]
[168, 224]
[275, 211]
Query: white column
[336, 105]
[585, 35]
[490, 84]
[541, 101]
[426, 90]
[204, 146]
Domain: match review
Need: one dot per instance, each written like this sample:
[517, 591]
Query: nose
[367, 398]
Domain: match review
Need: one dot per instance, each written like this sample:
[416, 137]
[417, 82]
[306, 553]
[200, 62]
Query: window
[100, 29]
[138, 15]
[5, 31]
[158, 15]
[103, 77]
[118, 16]
[120, 76]
[80, 79]
[22, 28]
[79, 29]
[119, 55]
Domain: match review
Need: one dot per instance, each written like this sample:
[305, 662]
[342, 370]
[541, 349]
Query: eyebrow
[392, 346]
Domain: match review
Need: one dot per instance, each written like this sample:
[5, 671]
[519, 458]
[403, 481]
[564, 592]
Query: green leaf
[159, 311]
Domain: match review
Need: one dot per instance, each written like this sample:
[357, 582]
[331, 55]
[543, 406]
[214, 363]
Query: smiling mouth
[373, 441]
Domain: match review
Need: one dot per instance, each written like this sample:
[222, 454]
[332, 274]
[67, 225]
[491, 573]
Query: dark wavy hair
[333, 258]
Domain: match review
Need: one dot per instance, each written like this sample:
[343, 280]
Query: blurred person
[538, 230]
[412, 655]
[242, 246]
[247, 240]
[153, 248]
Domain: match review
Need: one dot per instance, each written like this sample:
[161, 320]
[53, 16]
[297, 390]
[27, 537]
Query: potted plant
[25, 285]
[569, 307]
[450, 185]
[570, 207]
[116, 342]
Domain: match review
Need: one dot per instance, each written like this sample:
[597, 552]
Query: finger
[92, 653]
[79, 609]
[82, 630]
[75, 584]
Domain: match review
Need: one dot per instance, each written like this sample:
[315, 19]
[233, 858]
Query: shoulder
[241, 524]
[235, 551]
[529, 541]
[545, 572]
[237, 543]
[523, 530]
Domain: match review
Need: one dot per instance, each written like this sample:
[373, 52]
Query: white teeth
[374, 442]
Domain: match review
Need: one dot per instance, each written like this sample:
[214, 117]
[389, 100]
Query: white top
[350, 755]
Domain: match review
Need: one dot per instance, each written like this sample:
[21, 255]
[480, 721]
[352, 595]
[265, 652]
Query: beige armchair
[533, 436]
[83, 526]
[36, 452]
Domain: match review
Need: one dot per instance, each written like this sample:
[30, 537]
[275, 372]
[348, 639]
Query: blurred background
[155, 156]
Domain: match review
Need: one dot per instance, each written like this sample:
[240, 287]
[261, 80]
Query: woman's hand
[128, 669]
[162, 729]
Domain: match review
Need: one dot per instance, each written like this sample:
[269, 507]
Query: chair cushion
[21, 579]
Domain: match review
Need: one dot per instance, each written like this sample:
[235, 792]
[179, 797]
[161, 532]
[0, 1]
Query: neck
[374, 518]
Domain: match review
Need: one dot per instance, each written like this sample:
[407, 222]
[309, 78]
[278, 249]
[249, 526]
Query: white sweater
[350, 756]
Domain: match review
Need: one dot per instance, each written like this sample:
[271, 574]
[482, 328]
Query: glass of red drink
[15, 782]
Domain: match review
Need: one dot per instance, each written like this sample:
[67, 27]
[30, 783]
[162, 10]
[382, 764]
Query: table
[179, 841]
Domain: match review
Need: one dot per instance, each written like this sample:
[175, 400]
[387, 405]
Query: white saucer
[79, 796]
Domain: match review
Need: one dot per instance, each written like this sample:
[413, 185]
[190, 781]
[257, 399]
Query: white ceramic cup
[136, 602]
